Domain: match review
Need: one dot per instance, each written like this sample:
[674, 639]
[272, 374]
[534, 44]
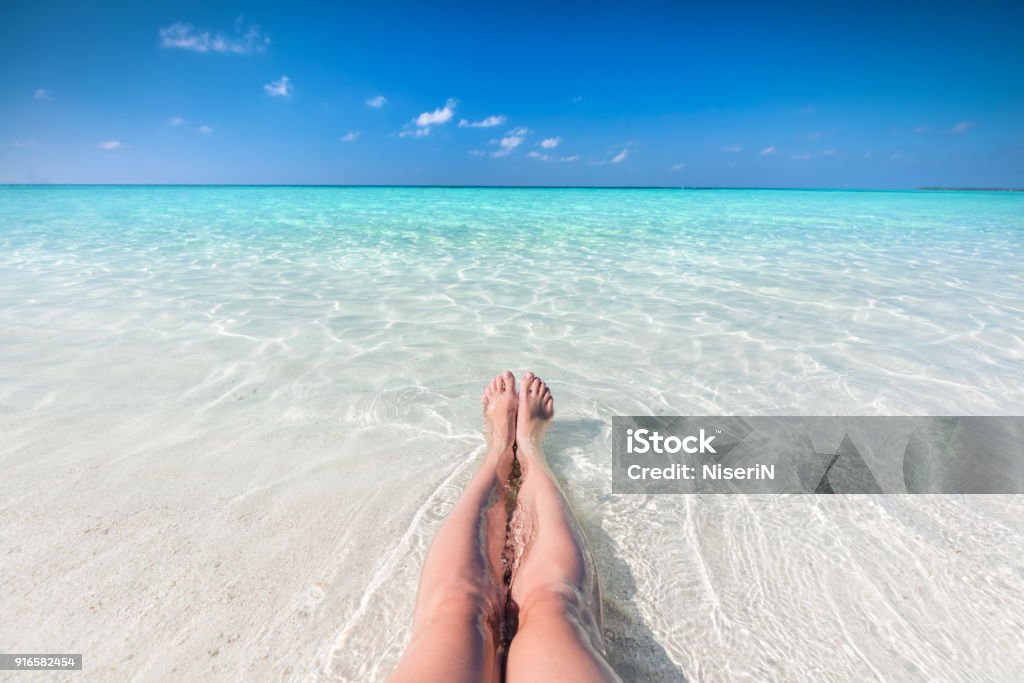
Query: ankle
[496, 453]
[527, 449]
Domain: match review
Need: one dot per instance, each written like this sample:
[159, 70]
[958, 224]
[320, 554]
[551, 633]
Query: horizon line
[924, 188]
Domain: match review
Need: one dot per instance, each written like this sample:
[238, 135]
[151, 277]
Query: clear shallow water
[295, 371]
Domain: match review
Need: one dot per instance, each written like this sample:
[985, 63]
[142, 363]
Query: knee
[556, 600]
[459, 599]
[561, 610]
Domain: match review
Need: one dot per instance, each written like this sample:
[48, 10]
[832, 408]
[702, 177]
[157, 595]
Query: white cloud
[350, 136]
[550, 143]
[804, 156]
[477, 152]
[540, 156]
[244, 40]
[282, 87]
[109, 145]
[617, 159]
[815, 135]
[42, 94]
[23, 144]
[421, 126]
[676, 167]
[489, 122]
[175, 121]
[414, 132]
[205, 130]
[377, 102]
[508, 143]
[961, 128]
[577, 99]
[732, 149]
[439, 116]
[922, 129]
[768, 151]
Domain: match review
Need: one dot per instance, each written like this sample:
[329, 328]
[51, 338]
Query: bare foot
[500, 405]
[536, 408]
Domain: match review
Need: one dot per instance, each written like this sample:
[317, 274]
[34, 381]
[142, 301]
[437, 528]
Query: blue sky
[887, 95]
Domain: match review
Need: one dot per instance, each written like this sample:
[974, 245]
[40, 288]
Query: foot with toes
[536, 408]
[501, 405]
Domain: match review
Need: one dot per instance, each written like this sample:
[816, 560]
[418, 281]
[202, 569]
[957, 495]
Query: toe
[509, 380]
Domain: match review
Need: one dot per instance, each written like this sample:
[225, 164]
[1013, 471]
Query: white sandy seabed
[231, 470]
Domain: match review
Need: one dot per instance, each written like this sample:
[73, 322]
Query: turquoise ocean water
[312, 348]
[714, 301]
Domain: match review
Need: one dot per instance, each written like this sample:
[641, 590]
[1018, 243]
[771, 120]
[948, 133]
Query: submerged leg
[461, 596]
[555, 582]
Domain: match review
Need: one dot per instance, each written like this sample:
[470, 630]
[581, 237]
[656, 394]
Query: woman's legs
[461, 598]
[554, 582]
